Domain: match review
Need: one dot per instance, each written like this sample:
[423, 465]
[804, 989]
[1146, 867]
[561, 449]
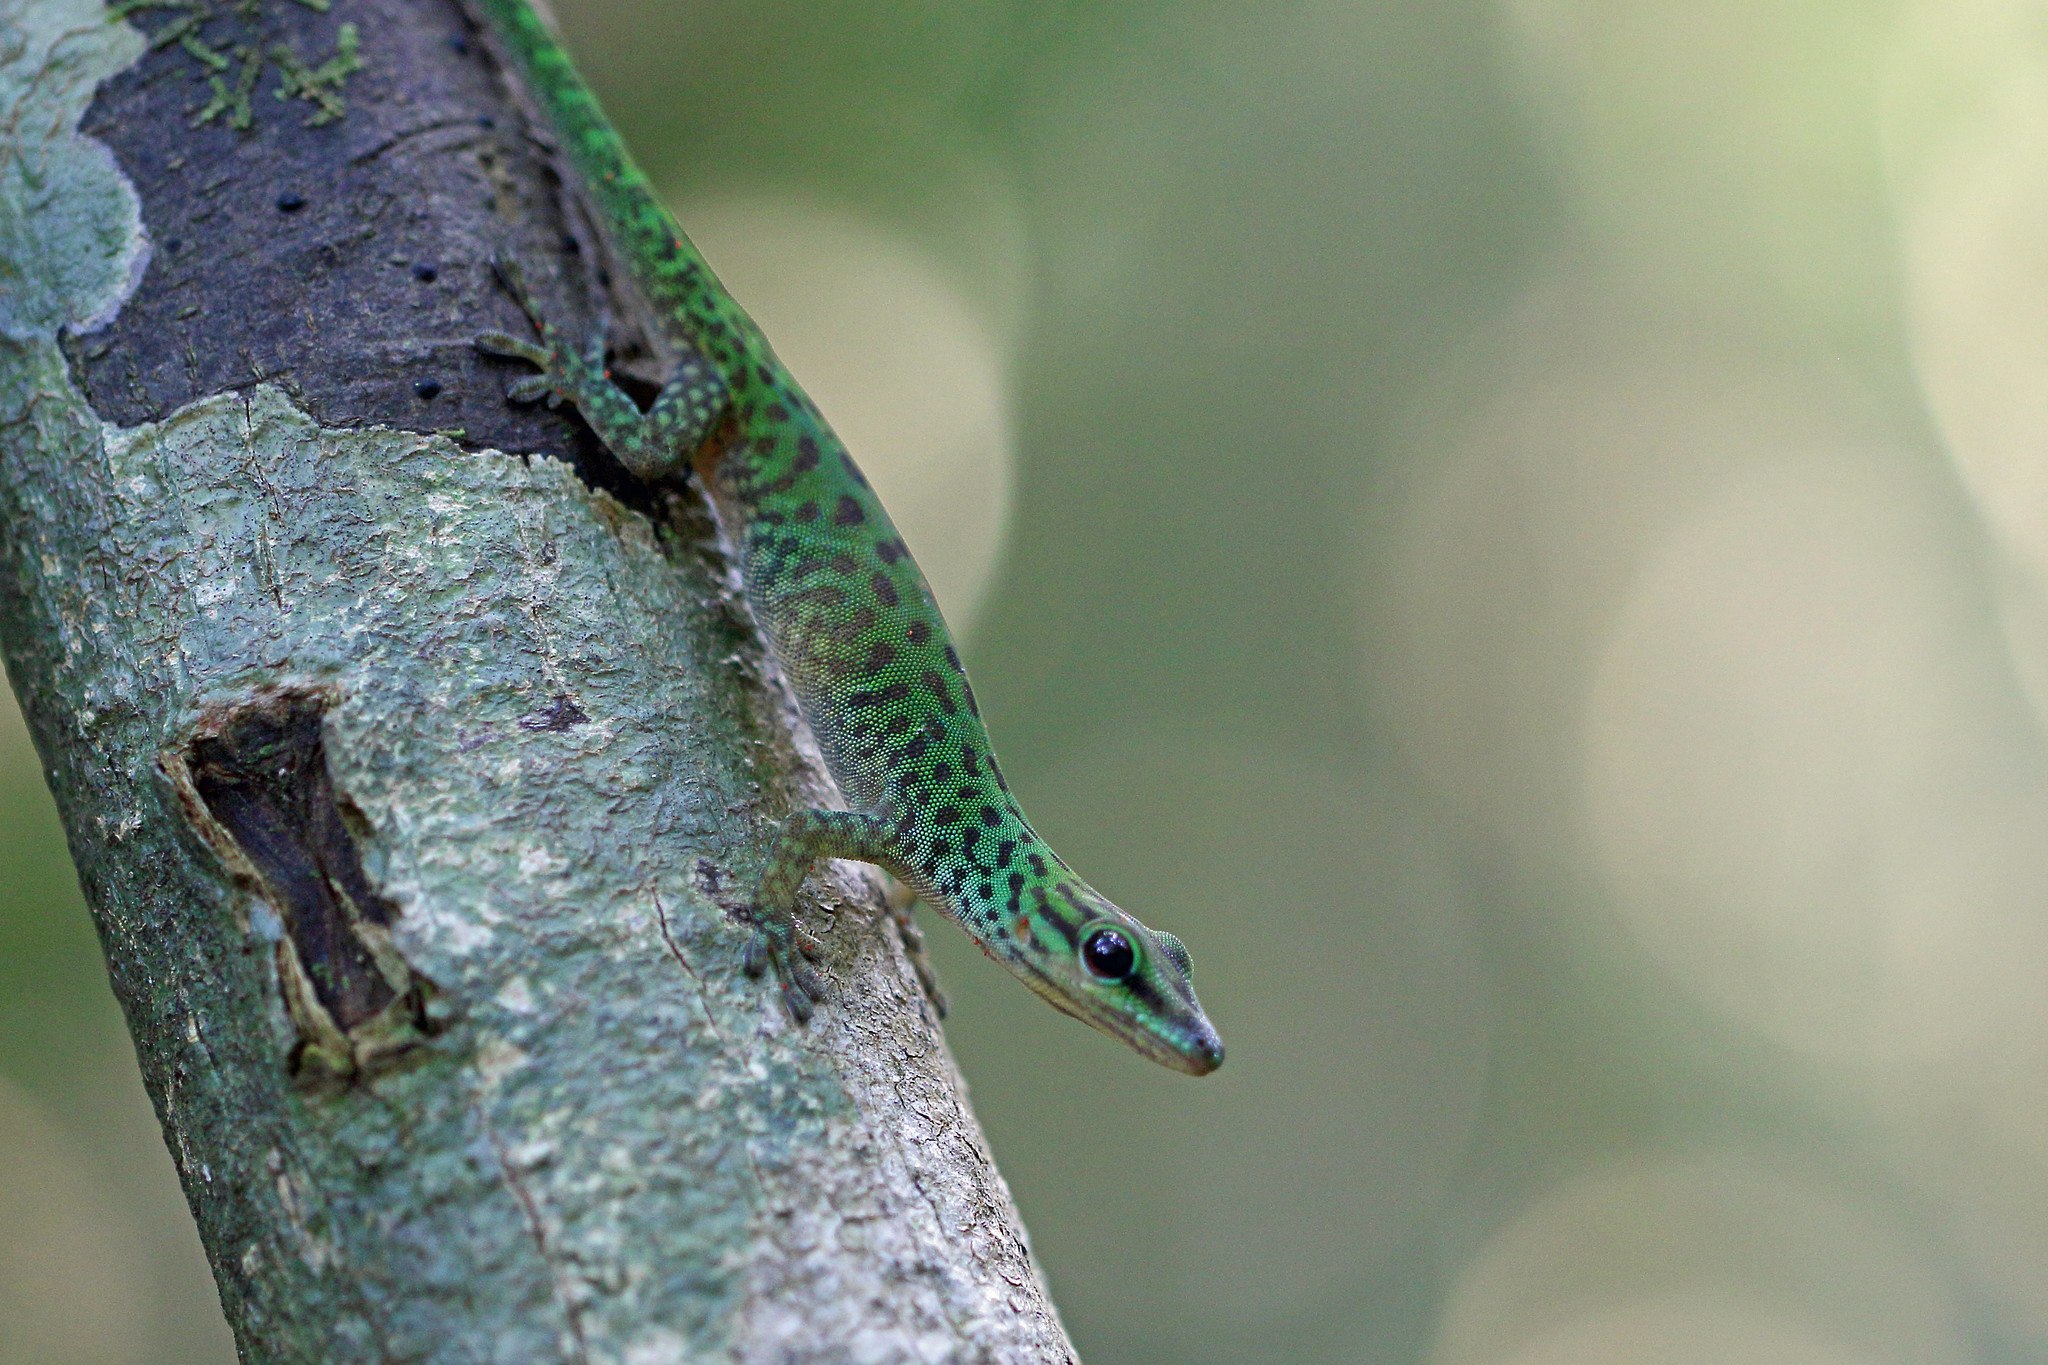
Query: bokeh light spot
[1776, 699]
[1968, 143]
[1683, 1259]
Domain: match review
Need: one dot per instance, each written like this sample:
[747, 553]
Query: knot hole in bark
[256, 787]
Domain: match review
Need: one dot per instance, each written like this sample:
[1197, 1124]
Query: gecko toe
[809, 946]
[499, 343]
[781, 948]
[755, 959]
[513, 277]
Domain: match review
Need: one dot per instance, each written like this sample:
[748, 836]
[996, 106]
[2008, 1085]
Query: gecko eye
[1108, 955]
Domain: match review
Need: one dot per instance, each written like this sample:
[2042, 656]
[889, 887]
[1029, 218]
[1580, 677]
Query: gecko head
[1134, 983]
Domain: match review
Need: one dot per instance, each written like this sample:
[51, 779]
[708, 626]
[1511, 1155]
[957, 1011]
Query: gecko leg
[900, 901]
[806, 836]
[655, 445]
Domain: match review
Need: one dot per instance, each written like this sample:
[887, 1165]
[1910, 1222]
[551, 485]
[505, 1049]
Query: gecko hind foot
[900, 901]
[784, 947]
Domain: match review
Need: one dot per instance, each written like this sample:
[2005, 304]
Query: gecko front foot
[534, 387]
[784, 947]
[565, 376]
[655, 445]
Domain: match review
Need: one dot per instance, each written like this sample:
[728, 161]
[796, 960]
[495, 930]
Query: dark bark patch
[345, 258]
[558, 715]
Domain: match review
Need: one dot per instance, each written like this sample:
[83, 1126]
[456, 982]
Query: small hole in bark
[560, 714]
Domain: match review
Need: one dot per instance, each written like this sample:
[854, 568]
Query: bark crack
[536, 1226]
[676, 951]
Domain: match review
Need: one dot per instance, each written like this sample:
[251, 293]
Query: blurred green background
[1520, 531]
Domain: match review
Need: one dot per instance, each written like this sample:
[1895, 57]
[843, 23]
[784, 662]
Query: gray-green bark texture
[405, 776]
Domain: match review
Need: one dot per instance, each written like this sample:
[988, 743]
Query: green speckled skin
[849, 616]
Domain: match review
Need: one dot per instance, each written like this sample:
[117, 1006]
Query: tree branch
[401, 773]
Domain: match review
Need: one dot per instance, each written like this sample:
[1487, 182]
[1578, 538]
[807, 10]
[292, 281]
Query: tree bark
[403, 774]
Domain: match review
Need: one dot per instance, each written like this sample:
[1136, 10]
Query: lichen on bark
[535, 714]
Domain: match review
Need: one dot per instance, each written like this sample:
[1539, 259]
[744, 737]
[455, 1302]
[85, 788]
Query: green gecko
[848, 615]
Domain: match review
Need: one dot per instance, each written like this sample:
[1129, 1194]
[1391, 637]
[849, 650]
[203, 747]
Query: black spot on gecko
[949, 815]
[953, 660]
[849, 513]
[885, 591]
[806, 513]
[918, 633]
[881, 656]
[806, 454]
[1004, 852]
[1067, 929]
[889, 551]
[990, 816]
[941, 694]
[880, 696]
[828, 596]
